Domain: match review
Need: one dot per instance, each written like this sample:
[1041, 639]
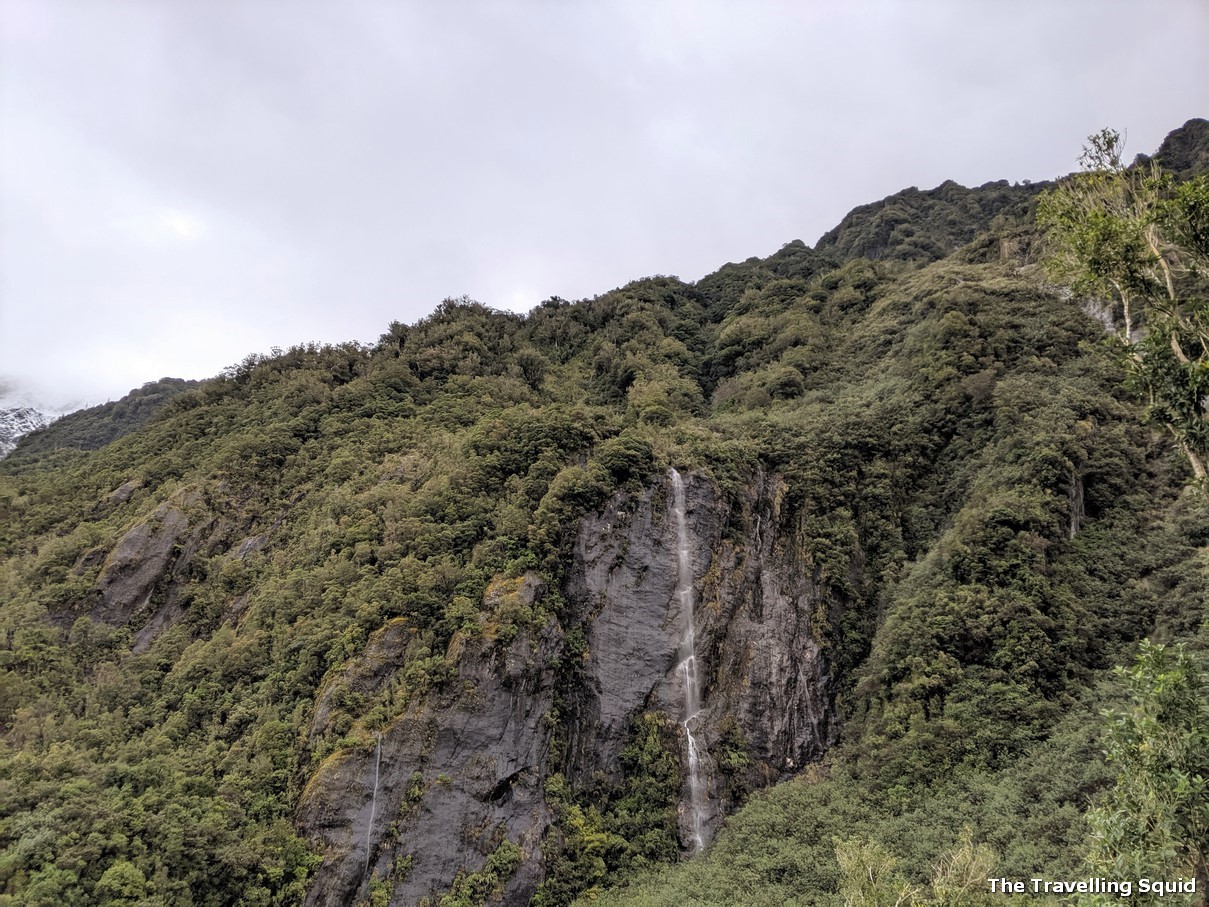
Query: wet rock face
[462, 770]
[623, 581]
[767, 664]
[453, 778]
[761, 669]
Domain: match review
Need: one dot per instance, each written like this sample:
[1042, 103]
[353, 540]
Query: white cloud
[182, 225]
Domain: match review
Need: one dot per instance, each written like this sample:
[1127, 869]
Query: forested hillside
[405, 623]
[88, 429]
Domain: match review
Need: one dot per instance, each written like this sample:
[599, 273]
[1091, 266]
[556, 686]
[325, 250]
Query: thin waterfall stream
[687, 665]
[373, 806]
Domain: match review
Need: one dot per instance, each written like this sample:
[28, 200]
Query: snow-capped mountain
[20, 414]
[18, 421]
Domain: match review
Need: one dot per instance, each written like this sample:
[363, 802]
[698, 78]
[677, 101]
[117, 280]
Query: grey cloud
[183, 183]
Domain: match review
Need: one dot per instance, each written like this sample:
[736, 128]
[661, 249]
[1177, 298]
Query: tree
[1133, 236]
[870, 876]
[1155, 822]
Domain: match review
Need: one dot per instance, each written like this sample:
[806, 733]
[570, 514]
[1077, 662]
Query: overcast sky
[182, 183]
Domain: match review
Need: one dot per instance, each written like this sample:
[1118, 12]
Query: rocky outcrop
[137, 563]
[764, 604]
[385, 654]
[446, 782]
[761, 666]
[143, 580]
[124, 492]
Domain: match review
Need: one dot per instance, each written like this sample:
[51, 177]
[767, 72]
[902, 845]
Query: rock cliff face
[760, 667]
[443, 785]
[454, 784]
[447, 782]
[138, 562]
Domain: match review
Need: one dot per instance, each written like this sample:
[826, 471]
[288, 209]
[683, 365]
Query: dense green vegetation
[89, 429]
[991, 521]
[1155, 824]
[930, 225]
[989, 637]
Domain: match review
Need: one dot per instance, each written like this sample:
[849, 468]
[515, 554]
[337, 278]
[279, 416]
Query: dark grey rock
[125, 491]
[760, 663]
[463, 768]
[137, 563]
[457, 774]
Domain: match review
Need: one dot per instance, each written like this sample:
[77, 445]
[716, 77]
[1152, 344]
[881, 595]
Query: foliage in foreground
[1155, 821]
[1137, 237]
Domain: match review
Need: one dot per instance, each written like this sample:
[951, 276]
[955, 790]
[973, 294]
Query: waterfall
[687, 665]
[373, 806]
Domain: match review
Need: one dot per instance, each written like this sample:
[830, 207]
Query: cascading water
[373, 806]
[687, 665]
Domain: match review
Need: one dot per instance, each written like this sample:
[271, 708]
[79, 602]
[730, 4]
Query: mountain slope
[928, 225]
[20, 414]
[411, 623]
[96, 426]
